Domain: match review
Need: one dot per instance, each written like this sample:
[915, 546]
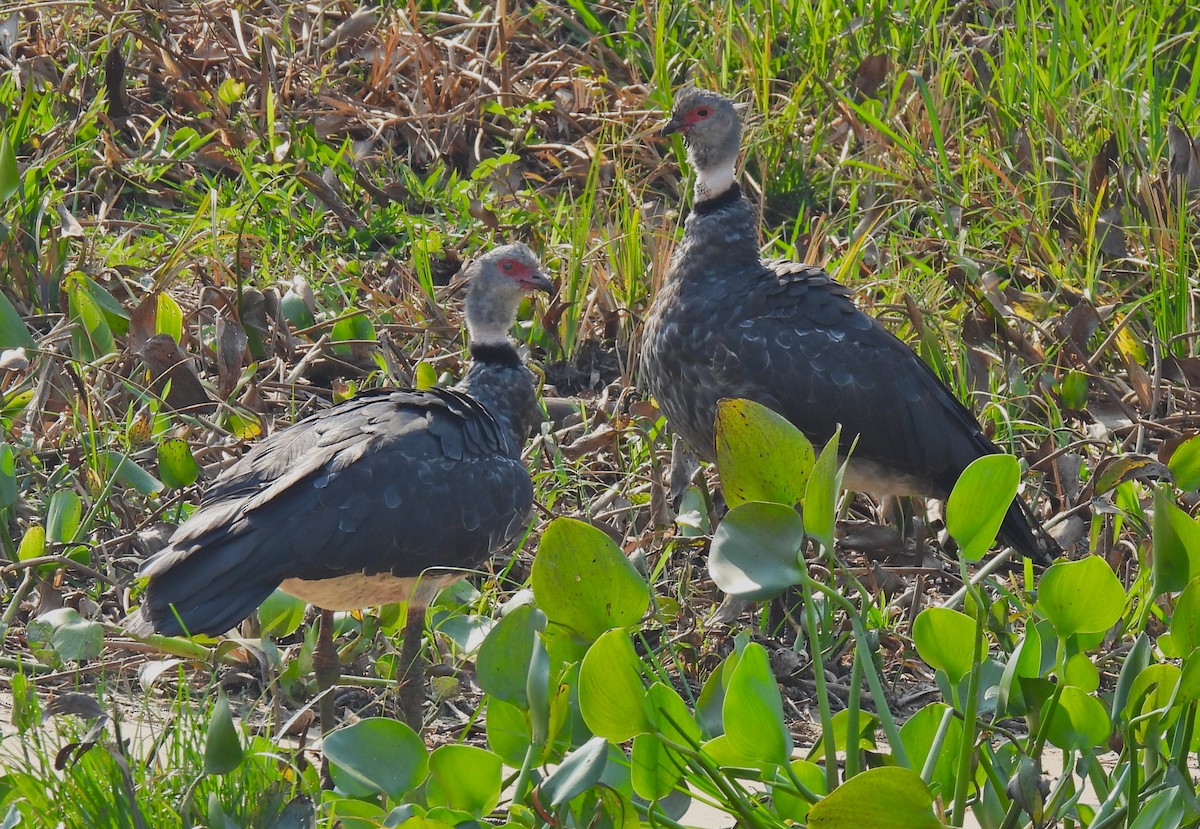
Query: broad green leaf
[377, 754]
[1073, 389]
[63, 516]
[508, 732]
[1164, 808]
[920, 738]
[1185, 621]
[1082, 673]
[753, 710]
[114, 313]
[222, 746]
[168, 317]
[611, 691]
[1082, 596]
[793, 807]
[842, 739]
[68, 634]
[711, 701]
[1152, 690]
[466, 778]
[355, 326]
[91, 336]
[761, 456]
[425, 375]
[13, 331]
[128, 473]
[33, 543]
[979, 501]
[281, 614]
[583, 581]
[296, 311]
[656, 767]
[502, 666]
[578, 773]
[1135, 662]
[1080, 721]
[1025, 661]
[1170, 556]
[176, 465]
[10, 178]
[756, 550]
[821, 494]
[890, 797]
[1184, 464]
[945, 639]
[8, 476]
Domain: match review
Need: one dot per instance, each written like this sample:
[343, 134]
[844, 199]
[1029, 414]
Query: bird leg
[412, 678]
[326, 669]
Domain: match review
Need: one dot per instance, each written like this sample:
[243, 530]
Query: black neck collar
[496, 354]
[719, 202]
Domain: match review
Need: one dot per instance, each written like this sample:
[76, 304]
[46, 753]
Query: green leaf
[13, 332]
[821, 495]
[761, 456]
[296, 311]
[168, 317]
[582, 580]
[1024, 662]
[222, 747]
[508, 731]
[890, 797]
[33, 543]
[945, 639]
[128, 473]
[425, 375]
[656, 767]
[1169, 558]
[753, 711]
[68, 634]
[1184, 464]
[1135, 662]
[377, 754]
[10, 178]
[712, 697]
[465, 778]
[919, 736]
[578, 772]
[8, 476]
[756, 550]
[176, 465]
[1082, 596]
[63, 516]
[791, 806]
[281, 614]
[1185, 620]
[1080, 721]
[842, 739]
[611, 692]
[91, 336]
[502, 666]
[356, 326]
[1073, 389]
[979, 501]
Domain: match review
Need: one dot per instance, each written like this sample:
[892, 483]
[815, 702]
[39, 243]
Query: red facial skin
[520, 273]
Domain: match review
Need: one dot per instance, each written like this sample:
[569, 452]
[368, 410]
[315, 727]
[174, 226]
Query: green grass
[954, 164]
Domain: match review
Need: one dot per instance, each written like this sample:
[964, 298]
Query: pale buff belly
[359, 590]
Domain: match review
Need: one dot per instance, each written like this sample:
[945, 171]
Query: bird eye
[703, 112]
[507, 266]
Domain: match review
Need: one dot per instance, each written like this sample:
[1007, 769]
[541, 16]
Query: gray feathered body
[346, 508]
[726, 324]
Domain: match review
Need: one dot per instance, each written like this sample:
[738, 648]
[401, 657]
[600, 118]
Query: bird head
[497, 281]
[711, 127]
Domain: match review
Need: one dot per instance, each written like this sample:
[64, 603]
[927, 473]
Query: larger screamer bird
[387, 497]
[728, 324]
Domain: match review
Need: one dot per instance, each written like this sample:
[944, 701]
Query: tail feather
[1022, 531]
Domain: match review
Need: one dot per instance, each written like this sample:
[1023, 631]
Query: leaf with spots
[176, 465]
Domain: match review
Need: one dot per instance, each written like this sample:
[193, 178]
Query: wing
[391, 482]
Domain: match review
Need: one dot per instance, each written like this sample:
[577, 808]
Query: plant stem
[967, 746]
[814, 647]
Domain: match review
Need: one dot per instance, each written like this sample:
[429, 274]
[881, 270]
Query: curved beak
[674, 125]
[538, 281]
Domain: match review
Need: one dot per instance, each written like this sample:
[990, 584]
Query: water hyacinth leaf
[425, 375]
[33, 543]
[756, 550]
[1080, 721]
[91, 336]
[978, 502]
[168, 317]
[711, 701]
[1082, 596]
[945, 639]
[353, 326]
[296, 311]
[1184, 464]
[63, 516]
[508, 731]
[502, 666]
[465, 778]
[1165, 808]
[791, 806]
[1082, 673]
[129, 473]
[1025, 661]
[1135, 662]
[13, 331]
[10, 177]
[281, 614]
[821, 494]
[576, 774]
[891, 796]
[611, 691]
[656, 767]
[176, 465]
[1152, 690]
[222, 746]
[1185, 621]
[761, 456]
[582, 580]
[68, 634]
[8, 476]
[753, 711]
[842, 739]
[920, 738]
[377, 754]
[1171, 551]
[114, 313]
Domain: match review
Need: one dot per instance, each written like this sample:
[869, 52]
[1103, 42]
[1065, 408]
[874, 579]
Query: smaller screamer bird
[784, 334]
[383, 498]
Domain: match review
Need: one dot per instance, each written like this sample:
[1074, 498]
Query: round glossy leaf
[176, 465]
[945, 639]
[1184, 464]
[377, 754]
[1175, 545]
[979, 501]
[1080, 721]
[611, 692]
[791, 806]
[281, 614]
[72, 637]
[761, 456]
[756, 550]
[465, 778]
[1185, 621]
[503, 663]
[222, 746]
[168, 317]
[1081, 673]
[865, 739]
[753, 711]
[890, 797]
[63, 516]
[583, 581]
[508, 732]
[656, 767]
[1080, 596]
[919, 736]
